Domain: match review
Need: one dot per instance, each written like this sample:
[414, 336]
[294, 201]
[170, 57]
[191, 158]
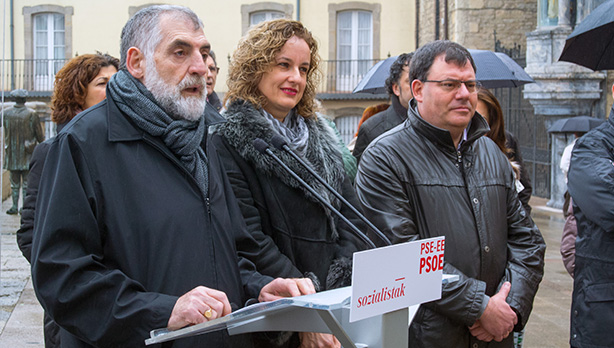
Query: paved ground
[21, 317]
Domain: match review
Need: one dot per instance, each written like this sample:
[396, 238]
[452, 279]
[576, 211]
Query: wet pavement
[21, 317]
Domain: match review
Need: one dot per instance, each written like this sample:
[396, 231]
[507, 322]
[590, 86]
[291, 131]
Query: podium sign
[394, 277]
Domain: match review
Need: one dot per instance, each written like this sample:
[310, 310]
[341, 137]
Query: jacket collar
[122, 129]
[399, 110]
[245, 123]
[442, 137]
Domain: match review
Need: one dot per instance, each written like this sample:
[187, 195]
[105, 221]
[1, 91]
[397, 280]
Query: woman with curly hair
[489, 107]
[272, 83]
[79, 85]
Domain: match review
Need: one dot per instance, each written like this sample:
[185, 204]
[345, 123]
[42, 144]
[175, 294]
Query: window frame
[247, 10]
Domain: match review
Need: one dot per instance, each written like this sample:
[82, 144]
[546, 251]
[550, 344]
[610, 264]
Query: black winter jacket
[414, 184]
[295, 232]
[122, 230]
[379, 124]
[591, 185]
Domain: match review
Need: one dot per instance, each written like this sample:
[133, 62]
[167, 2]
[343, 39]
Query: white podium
[324, 312]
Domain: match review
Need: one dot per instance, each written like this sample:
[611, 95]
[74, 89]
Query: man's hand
[198, 305]
[318, 340]
[499, 318]
[284, 287]
[478, 331]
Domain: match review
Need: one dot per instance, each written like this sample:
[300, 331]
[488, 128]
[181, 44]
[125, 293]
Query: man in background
[399, 89]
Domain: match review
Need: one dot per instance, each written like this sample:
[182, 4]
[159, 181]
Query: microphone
[280, 143]
[262, 147]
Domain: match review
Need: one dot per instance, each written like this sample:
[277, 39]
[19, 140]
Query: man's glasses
[213, 69]
[451, 85]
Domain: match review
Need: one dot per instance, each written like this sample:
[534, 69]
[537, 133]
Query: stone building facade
[476, 23]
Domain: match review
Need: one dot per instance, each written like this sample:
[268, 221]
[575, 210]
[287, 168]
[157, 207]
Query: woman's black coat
[296, 234]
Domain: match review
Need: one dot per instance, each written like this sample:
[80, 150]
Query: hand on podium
[197, 306]
[286, 287]
[318, 340]
[498, 318]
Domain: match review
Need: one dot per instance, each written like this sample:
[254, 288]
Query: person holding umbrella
[398, 86]
[591, 185]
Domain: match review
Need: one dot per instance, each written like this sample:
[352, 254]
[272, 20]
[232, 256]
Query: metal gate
[529, 129]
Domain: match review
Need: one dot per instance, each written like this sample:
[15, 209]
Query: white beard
[169, 96]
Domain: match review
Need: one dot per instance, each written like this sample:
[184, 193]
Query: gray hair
[143, 29]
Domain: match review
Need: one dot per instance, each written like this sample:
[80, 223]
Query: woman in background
[79, 85]
[490, 109]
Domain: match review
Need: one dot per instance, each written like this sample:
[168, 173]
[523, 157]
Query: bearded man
[136, 221]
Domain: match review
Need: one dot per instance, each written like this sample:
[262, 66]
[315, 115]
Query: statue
[22, 132]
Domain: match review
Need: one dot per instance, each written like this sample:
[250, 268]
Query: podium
[324, 312]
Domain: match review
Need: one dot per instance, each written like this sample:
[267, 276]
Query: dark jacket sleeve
[256, 246]
[67, 249]
[525, 262]
[363, 139]
[25, 231]
[591, 181]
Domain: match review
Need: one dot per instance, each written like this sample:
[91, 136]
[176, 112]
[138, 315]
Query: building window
[548, 12]
[354, 45]
[263, 11]
[48, 44]
[347, 126]
[261, 16]
[49, 48]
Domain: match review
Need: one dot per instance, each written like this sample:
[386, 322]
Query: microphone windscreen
[260, 145]
[278, 141]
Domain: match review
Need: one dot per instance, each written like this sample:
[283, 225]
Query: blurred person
[437, 175]
[591, 185]
[489, 107]
[399, 89]
[212, 97]
[366, 114]
[79, 85]
[570, 228]
[135, 221]
[272, 82]
[22, 132]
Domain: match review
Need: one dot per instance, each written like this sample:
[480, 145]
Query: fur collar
[244, 124]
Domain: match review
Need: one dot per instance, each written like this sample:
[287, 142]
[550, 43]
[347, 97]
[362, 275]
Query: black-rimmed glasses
[451, 85]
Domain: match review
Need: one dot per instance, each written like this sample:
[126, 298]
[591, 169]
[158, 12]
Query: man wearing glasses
[213, 70]
[437, 175]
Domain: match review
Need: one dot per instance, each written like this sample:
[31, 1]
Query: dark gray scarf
[181, 136]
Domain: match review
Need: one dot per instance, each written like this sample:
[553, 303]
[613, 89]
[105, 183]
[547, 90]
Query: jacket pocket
[600, 293]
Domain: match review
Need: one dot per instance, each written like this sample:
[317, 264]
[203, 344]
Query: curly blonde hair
[255, 56]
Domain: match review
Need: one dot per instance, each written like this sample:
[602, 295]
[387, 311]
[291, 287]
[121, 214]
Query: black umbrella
[496, 69]
[591, 44]
[580, 124]
[374, 81]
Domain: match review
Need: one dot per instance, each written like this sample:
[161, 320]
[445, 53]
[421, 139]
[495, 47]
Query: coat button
[475, 345]
[575, 336]
[475, 200]
[575, 312]
[487, 249]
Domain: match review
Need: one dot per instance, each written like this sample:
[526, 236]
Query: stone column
[562, 90]
[565, 13]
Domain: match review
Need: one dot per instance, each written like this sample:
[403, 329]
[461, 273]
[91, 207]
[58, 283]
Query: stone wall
[473, 23]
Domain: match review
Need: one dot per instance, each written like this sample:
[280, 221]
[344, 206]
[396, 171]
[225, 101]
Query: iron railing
[342, 76]
[34, 75]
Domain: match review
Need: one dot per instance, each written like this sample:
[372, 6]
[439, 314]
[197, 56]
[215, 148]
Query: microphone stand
[278, 142]
[263, 148]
